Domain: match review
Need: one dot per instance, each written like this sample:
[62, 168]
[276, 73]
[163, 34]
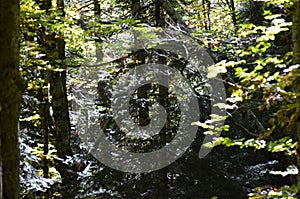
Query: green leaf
[238, 70]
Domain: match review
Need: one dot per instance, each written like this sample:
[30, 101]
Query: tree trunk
[44, 108]
[231, 6]
[206, 14]
[11, 87]
[60, 108]
[98, 40]
[163, 191]
[296, 51]
[233, 16]
[59, 97]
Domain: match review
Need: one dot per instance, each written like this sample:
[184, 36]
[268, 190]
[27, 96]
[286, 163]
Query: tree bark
[60, 108]
[59, 97]
[11, 87]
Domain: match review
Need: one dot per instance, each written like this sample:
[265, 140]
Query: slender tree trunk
[233, 15]
[208, 7]
[60, 108]
[163, 179]
[142, 94]
[163, 100]
[206, 14]
[296, 51]
[59, 97]
[44, 108]
[98, 40]
[231, 5]
[11, 87]
[158, 18]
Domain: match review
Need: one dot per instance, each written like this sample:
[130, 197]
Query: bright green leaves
[264, 73]
[278, 25]
[240, 72]
[264, 62]
[227, 142]
[221, 67]
[270, 191]
[211, 126]
[285, 144]
[264, 34]
[32, 118]
[270, 16]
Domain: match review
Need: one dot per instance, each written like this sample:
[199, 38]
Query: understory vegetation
[255, 49]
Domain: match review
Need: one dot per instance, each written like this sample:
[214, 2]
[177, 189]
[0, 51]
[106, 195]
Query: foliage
[255, 61]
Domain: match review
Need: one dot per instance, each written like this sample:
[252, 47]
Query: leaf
[274, 16]
[238, 70]
[31, 118]
[225, 106]
[203, 125]
[259, 67]
[226, 127]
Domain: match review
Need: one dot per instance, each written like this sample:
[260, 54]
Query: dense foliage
[251, 44]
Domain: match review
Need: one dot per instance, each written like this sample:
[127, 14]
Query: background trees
[249, 40]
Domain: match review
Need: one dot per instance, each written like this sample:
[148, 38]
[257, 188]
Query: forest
[187, 99]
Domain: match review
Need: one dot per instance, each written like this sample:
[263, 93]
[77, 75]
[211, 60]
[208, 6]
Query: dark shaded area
[225, 172]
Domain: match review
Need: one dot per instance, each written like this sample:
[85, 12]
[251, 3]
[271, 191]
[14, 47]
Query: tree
[60, 107]
[11, 87]
[252, 55]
